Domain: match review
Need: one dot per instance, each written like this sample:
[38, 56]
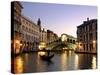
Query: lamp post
[94, 41]
[79, 46]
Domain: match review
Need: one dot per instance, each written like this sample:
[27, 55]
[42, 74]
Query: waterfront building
[51, 37]
[43, 39]
[55, 37]
[30, 34]
[25, 34]
[44, 36]
[16, 9]
[87, 36]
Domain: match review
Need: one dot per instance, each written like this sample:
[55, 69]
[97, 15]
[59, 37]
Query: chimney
[87, 19]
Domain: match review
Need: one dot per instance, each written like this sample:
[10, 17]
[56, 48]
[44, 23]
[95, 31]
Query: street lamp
[21, 44]
[79, 45]
[94, 44]
[94, 41]
[17, 41]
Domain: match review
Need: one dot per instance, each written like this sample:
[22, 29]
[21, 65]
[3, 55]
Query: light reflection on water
[76, 61]
[63, 61]
[68, 60]
[18, 65]
[93, 62]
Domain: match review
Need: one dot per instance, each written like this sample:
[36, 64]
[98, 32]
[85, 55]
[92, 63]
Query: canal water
[62, 61]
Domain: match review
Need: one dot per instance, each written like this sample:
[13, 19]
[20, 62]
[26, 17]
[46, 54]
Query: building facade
[51, 37]
[25, 34]
[87, 36]
[16, 9]
[30, 34]
[44, 36]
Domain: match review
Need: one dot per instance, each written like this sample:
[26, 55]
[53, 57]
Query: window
[87, 47]
[84, 38]
[84, 46]
[90, 27]
[80, 39]
[87, 37]
[96, 26]
[91, 36]
[91, 47]
[68, 40]
[86, 28]
[96, 35]
[73, 41]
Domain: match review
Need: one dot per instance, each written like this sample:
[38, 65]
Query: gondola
[46, 57]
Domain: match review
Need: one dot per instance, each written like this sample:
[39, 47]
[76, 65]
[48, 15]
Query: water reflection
[41, 53]
[62, 61]
[41, 65]
[26, 57]
[93, 62]
[70, 52]
[76, 61]
[18, 65]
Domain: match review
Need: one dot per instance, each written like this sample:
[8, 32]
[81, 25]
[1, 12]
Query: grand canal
[62, 61]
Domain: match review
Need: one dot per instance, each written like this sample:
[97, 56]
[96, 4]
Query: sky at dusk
[60, 18]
